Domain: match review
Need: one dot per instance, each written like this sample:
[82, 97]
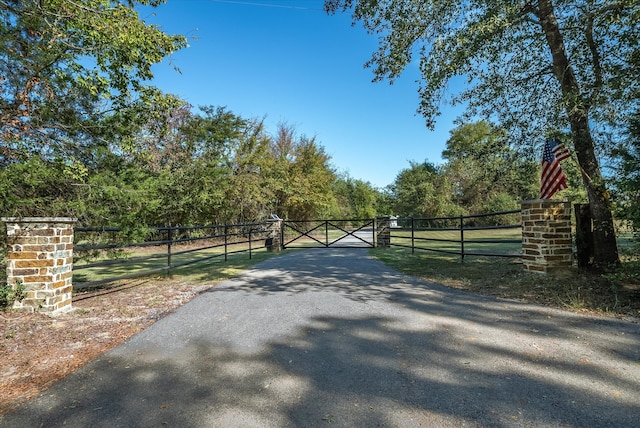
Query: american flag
[553, 178]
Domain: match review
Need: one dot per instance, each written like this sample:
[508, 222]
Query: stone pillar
[546, 235]
[40, 257]
[274, 236]
[383, 232]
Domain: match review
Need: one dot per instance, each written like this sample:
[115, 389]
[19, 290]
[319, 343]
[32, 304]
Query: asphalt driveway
[334, 338]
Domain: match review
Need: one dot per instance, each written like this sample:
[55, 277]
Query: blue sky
[288, 61]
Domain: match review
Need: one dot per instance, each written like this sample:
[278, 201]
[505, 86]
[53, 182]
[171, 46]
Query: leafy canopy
[499, 47]
[66, 65]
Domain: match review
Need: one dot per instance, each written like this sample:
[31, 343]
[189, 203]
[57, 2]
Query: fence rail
[491, 235]
[106, 255]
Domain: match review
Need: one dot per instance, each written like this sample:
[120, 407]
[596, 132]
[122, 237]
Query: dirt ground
[36, 350]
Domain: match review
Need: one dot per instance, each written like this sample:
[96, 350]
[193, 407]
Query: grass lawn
[155, 260]
[614, 293]
[494, 241]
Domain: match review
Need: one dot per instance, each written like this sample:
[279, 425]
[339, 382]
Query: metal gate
[328, 233]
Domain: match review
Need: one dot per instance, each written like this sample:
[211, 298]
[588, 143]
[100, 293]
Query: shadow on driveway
[335, 338]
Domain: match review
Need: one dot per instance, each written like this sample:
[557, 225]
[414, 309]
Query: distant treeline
[214, 167]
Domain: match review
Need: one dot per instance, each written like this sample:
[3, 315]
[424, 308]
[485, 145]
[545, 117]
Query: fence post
[250, 229]
[40, 258]
[461, 238]
[584, 235]
[326, 233]
[546, 235]
[282, 233]
[373, 231]
[169, 239]
[226, 242]
[413, 236]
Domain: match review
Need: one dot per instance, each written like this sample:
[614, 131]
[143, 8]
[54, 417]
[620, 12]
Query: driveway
[331, 337]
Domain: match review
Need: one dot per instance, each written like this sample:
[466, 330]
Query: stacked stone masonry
[383, 233]
[274, 228]
[546, 236]
[40, 258]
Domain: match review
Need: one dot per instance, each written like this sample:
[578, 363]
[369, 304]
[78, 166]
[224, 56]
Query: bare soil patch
[37, 350]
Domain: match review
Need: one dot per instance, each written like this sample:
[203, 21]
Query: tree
[355, 198]
[482, 166]
[421, 191]
[627, 176]
[165, 142]
[196, 190]
[532, 65]
[385, 201]
[71, 71]
[300, 176]
[35, 188]
[247, 195]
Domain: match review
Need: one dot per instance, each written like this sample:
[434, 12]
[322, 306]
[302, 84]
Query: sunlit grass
[146, 260]
[449, 240]
[218, 269]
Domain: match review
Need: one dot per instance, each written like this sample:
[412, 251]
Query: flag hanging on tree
[553, 178]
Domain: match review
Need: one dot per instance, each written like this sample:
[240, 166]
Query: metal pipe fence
[106, 255]
[496, 234]
[335, 233]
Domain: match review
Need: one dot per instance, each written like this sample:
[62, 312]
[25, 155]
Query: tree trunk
[604, 238]
[605, 249]
[584, 236]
